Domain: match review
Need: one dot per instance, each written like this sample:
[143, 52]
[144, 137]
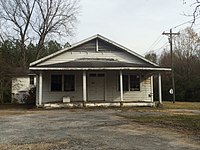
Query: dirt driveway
[85, 129]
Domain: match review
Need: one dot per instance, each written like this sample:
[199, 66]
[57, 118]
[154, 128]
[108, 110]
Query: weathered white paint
[111, 83]
[99, 104]
[121, 86]
[90, 39]
[73, 55]
[52, 96]
[160, 88]
[20, 88]
[84, 87]
[152, 94]
[40, 88]
[96, 86]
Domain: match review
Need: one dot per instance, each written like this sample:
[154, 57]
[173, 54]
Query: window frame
[63, 75]
[129, 83]
[61, 83]
[134, 88]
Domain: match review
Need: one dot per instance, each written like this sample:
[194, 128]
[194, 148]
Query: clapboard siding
[111, 84]
[86, 47]
[49, 96]
[113, 94]
[104, 46]
[88, 50]
[70, 56]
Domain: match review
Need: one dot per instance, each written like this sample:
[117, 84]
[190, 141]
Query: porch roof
[98, 64]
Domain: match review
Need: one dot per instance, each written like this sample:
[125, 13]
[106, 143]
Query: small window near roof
[31, 80]
[56, 82]
[134, 83]
[69, 83]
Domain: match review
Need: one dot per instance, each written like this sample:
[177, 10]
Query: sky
[135, 24]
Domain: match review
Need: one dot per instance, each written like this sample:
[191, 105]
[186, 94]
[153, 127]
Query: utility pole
[170, 34]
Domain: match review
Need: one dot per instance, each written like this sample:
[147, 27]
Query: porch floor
[98, 104]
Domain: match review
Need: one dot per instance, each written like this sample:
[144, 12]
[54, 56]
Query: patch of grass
[189, 124]
[182, 105]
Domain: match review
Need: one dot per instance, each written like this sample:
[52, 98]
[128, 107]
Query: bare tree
[55, 17]
[16, 16]
[35, 20]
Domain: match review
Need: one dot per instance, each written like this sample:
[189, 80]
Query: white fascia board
[107, 68]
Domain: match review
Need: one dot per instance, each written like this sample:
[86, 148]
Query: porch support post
[40, 89]
[84, 87]
[121, 86]
[152, 94]
[160, 88]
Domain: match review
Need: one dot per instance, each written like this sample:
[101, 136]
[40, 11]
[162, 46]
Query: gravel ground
[85, 129]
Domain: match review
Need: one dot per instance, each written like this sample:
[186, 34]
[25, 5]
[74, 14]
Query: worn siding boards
[104, 46]
[88, 50]
[70, 56]
[86, 47]
[49, 96]
[113, 94]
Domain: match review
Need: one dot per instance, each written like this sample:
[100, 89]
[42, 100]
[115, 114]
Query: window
[56, 82]
[69, 83]
[134, 83]
[130, 83]
[31, 80]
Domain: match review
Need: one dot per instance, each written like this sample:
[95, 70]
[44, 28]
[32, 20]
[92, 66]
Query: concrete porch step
[98, 104]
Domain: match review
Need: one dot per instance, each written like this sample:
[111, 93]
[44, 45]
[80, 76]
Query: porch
[96, 88]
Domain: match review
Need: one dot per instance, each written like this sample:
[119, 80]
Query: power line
[170, 34]
[159, 38]
[157, 50]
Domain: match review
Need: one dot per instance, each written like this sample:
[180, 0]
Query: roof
[89, 39]
[95, 63]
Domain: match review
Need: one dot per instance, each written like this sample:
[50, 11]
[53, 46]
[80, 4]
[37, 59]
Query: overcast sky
[136, 24]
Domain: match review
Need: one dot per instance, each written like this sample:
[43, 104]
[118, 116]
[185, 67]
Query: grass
[183, 123]
[182, 105]
[188, 123]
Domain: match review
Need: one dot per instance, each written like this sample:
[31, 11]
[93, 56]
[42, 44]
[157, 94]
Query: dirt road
[85, 129]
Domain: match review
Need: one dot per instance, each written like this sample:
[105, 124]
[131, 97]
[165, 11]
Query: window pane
[56, 82]
[69, 83]
[134, 82]
[125, 83]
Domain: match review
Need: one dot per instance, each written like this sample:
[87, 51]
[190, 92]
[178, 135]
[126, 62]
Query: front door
[96, 86]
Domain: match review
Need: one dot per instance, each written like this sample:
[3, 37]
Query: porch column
[152, 94]
[40, 89]
[84, 87]
[160, 88]
[121, 86]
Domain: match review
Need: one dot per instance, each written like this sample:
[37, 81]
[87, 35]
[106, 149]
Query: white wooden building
[21, 85]
[95, 72]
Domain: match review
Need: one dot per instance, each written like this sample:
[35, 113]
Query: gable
[90, 46]
[95, 47]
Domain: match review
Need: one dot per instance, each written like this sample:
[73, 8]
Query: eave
[102, 68]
